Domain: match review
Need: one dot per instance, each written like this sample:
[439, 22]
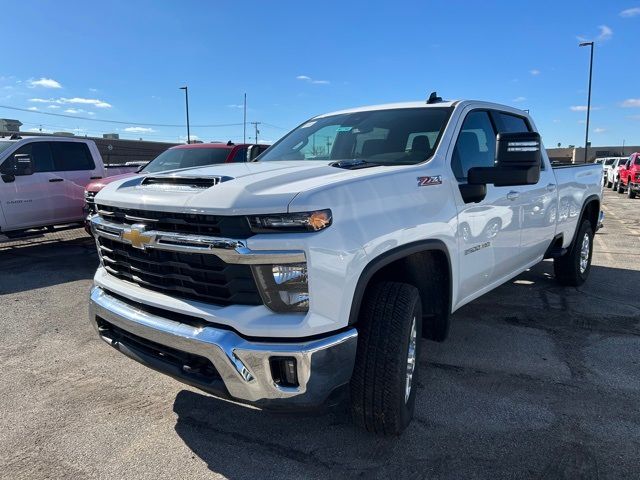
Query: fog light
[284, 371]
[283, 288]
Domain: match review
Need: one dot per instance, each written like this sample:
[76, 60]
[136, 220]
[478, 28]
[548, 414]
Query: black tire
[378, 384]
[609, 184]
[620, 187]
[567, 267]
[630, 192]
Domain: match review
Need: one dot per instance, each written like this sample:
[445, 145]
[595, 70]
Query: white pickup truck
[317, 269]
[42, 181]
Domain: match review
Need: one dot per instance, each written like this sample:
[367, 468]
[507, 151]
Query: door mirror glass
[518, 161]
[18, 165]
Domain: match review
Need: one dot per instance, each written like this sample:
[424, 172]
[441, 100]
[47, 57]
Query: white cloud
[93, 90]
[630, 12]
[45, 83]
[40, 130]
[53, 106]
[631, 103]
[236, 105]
[183, 139]
[91, 113]
[634, 117]
[33, 109]
[599, 130]
[72, 110]
[605, 33]
[140, 130]
[311, 80]
[582, 108]
[534, 72]
[75, 100]
[519, 99]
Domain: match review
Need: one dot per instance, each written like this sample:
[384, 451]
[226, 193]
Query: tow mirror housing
[518, 161]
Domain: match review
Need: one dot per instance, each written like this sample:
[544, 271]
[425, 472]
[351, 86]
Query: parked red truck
[181, 156]
[629, 176]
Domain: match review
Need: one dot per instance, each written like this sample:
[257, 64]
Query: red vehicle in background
[182, 156]
[629, 176]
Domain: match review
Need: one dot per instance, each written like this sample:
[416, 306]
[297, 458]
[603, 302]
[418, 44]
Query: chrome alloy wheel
[584, 253]
[411, 360]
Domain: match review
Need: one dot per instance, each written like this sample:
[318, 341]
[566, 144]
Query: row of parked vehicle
[622, 174]
[51, 181]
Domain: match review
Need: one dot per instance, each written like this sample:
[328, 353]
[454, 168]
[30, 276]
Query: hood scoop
[182, 183]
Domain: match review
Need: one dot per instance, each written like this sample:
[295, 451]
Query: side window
[240, 155]
[637, 161]
[71, 156]
[475, 146]
[507, 123]
[40, 156]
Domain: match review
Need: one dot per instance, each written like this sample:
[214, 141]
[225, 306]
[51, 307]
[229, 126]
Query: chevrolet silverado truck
[43, 179]
[629, 176]
[310, 276]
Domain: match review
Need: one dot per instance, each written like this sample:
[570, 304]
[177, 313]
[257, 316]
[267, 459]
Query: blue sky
[125, 61]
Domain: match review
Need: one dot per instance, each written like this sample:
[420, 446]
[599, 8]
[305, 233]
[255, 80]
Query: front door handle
[513, 195]
[551, 187]
[52, 180]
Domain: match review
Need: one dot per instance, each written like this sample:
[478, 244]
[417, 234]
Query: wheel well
[591, 213]
[430, 272]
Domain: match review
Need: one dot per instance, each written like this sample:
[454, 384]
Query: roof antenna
[434, 98]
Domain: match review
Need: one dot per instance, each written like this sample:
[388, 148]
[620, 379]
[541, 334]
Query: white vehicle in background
[316, 269]
[42, 181]
[611, 177]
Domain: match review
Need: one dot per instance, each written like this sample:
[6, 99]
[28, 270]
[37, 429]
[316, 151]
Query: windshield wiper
[354, 164]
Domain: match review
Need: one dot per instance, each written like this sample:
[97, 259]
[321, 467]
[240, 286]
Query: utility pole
[623, 147]
[244, 121]
[186, 99]
[586, 135]
[255, 124]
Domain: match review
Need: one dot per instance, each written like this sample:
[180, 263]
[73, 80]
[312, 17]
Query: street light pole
[186, 100]
[586, 135]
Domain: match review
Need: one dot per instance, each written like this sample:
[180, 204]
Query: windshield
[389, 137]
[185, 158]
[609, 161]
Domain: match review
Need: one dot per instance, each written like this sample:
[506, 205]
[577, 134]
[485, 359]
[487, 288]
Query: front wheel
[630, 192]
[620, 187]
[609, 184]
[573, 268]
[383, 385]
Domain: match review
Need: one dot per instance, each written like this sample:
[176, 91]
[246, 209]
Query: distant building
[111, 136]
[576, 154]
[9, 125]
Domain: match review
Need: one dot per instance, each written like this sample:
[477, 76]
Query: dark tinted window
[175, 158]
[40, 156]
[510, 123]
[240, 155]
[71, 156]
[475, 146]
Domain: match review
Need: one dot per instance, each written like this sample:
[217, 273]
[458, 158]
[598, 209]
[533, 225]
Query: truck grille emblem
[136, 236]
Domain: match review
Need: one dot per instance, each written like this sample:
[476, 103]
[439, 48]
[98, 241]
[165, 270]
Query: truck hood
[243, 188]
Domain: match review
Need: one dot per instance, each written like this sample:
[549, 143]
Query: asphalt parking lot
[535, 381]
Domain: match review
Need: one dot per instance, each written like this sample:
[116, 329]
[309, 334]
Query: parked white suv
[611, 176]
[42, 181]
[319, 268]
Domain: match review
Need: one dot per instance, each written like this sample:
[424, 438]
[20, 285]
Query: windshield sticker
[428, 181]
[308, 124]
[343, 129]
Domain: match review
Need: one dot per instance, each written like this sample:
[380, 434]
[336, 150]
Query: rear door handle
[512, 195]
[551, 187]
[52, 180]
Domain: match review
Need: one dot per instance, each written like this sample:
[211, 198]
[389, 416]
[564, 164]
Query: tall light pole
[244, 121]
[186, 100]
[586, 135]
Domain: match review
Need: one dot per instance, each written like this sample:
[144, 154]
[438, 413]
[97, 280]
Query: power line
[89, 119]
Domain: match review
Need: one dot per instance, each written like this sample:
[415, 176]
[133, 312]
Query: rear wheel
[383, 385]
[630, 192]
[573, 268]
[609, 184]
[620, 186]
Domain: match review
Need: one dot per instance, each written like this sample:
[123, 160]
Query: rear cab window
[71, 156]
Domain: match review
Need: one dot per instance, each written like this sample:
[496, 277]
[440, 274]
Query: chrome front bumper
[243, 366]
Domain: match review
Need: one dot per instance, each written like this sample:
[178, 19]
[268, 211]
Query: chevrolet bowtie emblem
[136, 236]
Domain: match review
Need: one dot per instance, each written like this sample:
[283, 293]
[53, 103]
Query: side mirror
[518, 161]
[19, 164]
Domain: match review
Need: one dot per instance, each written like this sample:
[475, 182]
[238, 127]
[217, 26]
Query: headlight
[291, 222]
[283, 288]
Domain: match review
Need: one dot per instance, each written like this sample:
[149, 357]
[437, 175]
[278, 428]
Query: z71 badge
[427, 181]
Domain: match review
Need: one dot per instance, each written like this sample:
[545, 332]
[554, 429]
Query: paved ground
[535, 381]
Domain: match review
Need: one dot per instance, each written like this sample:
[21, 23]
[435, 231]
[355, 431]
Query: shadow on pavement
[43, 262]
